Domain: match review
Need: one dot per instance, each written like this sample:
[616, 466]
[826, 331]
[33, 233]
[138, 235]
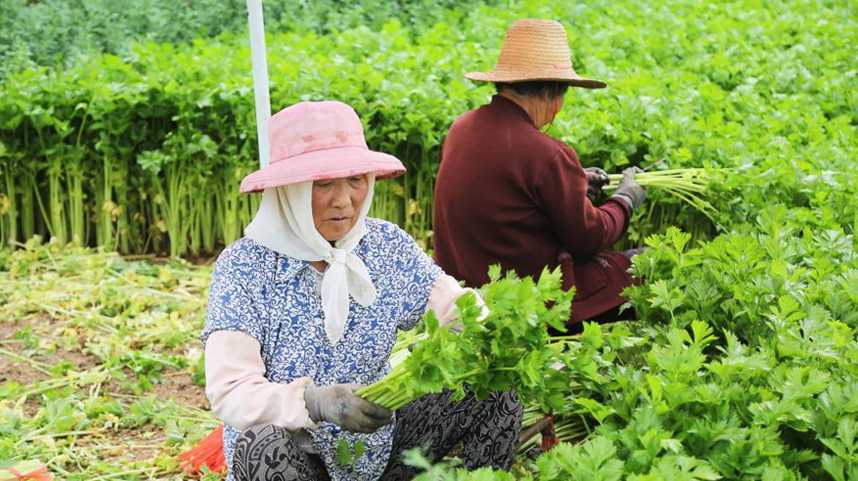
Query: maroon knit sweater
[508, 194]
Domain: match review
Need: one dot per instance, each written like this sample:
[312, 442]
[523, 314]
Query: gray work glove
[596, 179]
[339, 404]
[629, 191]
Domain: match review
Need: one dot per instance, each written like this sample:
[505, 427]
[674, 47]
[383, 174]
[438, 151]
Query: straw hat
[535, 50]
[315, 141]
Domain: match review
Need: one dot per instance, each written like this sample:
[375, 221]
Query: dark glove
[339, 404]
[629, 191]
[596, 179]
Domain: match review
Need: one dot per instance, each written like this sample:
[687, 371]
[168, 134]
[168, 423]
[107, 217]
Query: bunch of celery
[510, 349]
[689, 185]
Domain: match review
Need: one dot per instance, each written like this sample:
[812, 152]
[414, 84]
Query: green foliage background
[143, 152]
[60, 32]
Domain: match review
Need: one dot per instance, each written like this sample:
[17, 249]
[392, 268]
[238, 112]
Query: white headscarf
[284, 224]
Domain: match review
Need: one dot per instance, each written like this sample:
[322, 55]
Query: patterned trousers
[488, 431]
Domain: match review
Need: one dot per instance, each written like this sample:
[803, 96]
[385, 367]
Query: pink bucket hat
[318, 140]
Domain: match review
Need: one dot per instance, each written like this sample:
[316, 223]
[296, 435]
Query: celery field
[124, 134]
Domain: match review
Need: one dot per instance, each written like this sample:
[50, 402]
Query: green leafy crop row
[70, 29]
[144, 152]
[742, 364]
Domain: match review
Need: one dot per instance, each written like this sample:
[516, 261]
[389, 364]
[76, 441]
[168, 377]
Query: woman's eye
[323, 185]
[356, 180]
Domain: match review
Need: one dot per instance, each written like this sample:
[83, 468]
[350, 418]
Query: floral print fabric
[275, 299]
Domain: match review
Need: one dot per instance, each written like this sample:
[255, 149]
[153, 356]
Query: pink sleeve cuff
[445, 292]
[238, 391]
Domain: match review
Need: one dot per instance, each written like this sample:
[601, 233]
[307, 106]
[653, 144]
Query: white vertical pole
[260, 77]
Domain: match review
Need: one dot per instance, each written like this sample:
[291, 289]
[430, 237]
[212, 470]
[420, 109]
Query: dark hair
[536, 88]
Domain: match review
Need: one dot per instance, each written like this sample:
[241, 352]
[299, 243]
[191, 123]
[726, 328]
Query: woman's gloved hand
[629, 190]
[339, 404]
[596, 179]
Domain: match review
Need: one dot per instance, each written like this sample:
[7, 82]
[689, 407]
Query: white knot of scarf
[284, 223]
[346, 274]
[339, 256]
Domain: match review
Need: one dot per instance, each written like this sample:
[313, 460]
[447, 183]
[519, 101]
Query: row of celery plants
[72, 28]
[144, 153]
[741, 367]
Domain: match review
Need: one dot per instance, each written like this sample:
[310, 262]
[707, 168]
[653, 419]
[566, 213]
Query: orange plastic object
[38, 474]
[208, 452]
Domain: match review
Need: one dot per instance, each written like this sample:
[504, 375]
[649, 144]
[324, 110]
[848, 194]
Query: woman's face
[337, 203]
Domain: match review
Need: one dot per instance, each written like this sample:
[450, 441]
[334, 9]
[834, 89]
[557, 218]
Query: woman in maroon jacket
[508, 194]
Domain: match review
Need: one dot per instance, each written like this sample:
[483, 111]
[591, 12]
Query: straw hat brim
[575, 81]
[323, 164]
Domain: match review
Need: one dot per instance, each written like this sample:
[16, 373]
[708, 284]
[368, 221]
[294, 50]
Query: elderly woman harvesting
[508, 194]
[305, 309]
